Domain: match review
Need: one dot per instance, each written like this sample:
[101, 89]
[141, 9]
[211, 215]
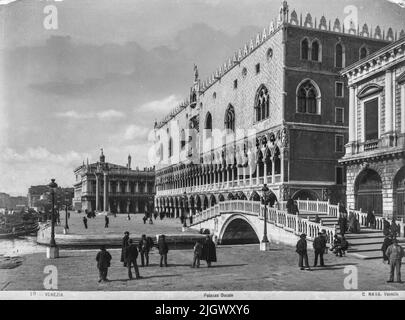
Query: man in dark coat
[163, 250]
[125, 245]
[370, 220]
[107, 221]
[301, 249]
[144, 248]
[394, 228]
[131, 254]
[319, 247]
[103, 259]
[85, 222]
[387, 242]
[209, 251]
[386, 227]
[290, 205]
[342, 223]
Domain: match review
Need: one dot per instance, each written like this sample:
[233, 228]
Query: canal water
[20, 246]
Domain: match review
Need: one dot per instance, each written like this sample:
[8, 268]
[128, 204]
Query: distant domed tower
[102, 157]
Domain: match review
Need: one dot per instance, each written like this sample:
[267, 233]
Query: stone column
[352, 114]
[250, 174]
[105, 192]
[227, 177]
[281, 165]
[97, 194]
[265, 171]
[136, 206]
[388, 102]
[403, 108]
[273, 169]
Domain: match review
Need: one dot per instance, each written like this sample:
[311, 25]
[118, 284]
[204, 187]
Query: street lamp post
[53, 250]
[265, 243]
[184, 212]
[66, 214]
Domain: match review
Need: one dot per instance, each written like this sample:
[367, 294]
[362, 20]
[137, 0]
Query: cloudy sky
[114, 66]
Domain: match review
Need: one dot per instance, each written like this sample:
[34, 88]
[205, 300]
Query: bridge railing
[296, 224]
[310, 206]
[280, 218]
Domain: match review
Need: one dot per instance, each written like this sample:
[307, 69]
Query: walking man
[395, 254]
[209, 251]
[107, 221]
[131, 255]
[301, 249]
[103, 259]
[319, 247]
[197, 254]
[85, 222]
[125, 245]
[144, 249]
[163, 250]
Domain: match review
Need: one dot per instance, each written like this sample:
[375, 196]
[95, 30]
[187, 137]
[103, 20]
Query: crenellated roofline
[285, 19]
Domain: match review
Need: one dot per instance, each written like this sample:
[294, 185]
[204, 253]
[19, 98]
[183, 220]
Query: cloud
[102, 115]
[401, 3]
[161, 106]
[4, 2]
[135, 132]
[36, 165]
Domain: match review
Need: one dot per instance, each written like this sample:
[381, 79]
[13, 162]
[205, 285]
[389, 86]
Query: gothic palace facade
[276, 112]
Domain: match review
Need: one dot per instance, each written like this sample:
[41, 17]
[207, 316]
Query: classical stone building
[275, 112]
[120, 189]
[375, 154]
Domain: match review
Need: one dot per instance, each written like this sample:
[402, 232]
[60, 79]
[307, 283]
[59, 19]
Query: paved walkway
[118, 225]
[239, 268]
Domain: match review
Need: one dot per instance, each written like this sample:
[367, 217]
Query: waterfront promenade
[239, 268]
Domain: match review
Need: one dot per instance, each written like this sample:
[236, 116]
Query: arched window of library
[230, 119]
[308, 98]
[262, 104]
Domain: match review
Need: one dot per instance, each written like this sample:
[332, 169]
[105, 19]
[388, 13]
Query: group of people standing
[130, 251]
[320, 248]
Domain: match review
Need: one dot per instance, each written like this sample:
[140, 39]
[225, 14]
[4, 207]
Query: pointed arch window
[262, 104]
[339, 56]
[308, 98]
[363, 52]
[230, 119]
[182, 139]
[315, 50]
[208, 125]
[170, 147]
[304, 49]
